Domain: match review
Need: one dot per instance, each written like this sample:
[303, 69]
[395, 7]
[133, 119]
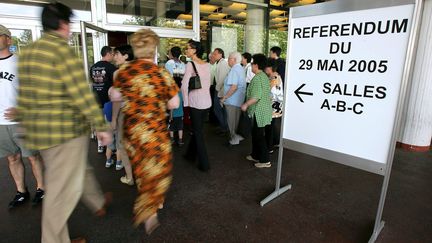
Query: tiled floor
[328, 202]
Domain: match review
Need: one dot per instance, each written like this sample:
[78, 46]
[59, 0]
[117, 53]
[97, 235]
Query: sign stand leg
[376, 232]
[278, 191]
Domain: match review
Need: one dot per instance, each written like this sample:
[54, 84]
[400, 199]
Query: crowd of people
[137, 110]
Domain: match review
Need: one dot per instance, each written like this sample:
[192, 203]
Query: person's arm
[11, 113]
[233, 80]
[222, 71]
[255, 95]
[173, 103]
[185, 84]
[171, 92]
[116, 105]
[231, 91]
[169, 67]
[248, 103]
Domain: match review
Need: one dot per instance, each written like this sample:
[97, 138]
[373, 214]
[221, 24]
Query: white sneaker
[250, 158]
[119, 165]
[100, 149]
[240, 138]
[263, 165]
[127, 181]
[108, 163]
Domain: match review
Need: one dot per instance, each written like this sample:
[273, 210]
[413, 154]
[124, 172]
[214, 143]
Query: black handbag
[244, 127]
[195, 81]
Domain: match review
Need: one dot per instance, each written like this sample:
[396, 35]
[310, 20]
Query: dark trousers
[259, 144]
[220, 112]
[272, 133]
[212, 116]
[196, 145]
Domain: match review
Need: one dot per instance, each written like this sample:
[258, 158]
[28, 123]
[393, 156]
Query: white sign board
[344, 76]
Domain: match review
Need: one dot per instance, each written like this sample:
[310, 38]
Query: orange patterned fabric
[146, 89]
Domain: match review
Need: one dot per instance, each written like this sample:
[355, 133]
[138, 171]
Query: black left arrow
[298, 92]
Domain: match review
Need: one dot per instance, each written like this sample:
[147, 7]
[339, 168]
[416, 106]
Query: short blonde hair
[144, 43]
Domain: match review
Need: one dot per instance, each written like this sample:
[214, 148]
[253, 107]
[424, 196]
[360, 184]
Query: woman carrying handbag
[198, 99]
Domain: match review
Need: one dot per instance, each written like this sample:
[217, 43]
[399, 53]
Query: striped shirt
[259, 89]
[55, 103]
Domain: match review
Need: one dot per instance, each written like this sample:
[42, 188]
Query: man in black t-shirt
[101, 74]
[275, 53]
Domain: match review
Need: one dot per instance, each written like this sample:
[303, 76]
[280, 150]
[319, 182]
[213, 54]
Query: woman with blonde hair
[148, 91]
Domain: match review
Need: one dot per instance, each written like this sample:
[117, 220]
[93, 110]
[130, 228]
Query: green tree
[278, 38]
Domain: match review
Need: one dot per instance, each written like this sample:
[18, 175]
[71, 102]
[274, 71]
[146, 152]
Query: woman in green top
[258, 106]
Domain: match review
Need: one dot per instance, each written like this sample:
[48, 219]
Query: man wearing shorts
[10, 145]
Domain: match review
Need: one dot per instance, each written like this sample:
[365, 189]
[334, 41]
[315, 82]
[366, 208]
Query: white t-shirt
[248, 72]
[8, 86]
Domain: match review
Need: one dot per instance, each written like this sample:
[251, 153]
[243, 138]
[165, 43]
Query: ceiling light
[226, 21]
[238, 6]
[304, 2]
[207, 8]
[280, 19]
[276, 3]
[276, 12]
[34, 1]
[216, 16]
[279, 25]
[185, 17]
[242, 15]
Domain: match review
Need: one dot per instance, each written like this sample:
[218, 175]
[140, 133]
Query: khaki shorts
[10, 142]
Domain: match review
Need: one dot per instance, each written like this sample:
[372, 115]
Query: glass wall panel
[20, 39]
[233, 26]
[76, 44]
[32, 9]
[278, 38]
[166, 44]
[160, 13]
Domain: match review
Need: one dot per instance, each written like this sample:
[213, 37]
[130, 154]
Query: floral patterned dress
[146, 90]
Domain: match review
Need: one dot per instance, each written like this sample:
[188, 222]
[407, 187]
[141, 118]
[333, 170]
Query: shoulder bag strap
[193, 65]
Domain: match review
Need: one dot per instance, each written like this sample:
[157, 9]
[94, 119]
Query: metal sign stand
[278, 191]
[379, 223]
[412, 46]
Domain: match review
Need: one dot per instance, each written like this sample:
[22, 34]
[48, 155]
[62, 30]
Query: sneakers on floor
[100, 149]
[127, 181]
[108, 163]
[250, 158]
[40, 194]
[263, 165]
[119, 165]
[19, 199]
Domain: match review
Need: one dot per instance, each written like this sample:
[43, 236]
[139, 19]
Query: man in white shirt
[221, 72]
[10, 144]
[247, 66]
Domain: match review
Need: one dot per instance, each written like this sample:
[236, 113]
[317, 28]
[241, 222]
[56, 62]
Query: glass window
[160, 13]
[76, 44]
[234, 26]
[166, 44]
[32, 9]
[20, 39]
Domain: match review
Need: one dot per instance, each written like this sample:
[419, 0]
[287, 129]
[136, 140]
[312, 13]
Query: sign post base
[275, 194]
[376, 232]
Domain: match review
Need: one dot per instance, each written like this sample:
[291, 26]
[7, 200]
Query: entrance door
[93, 38]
